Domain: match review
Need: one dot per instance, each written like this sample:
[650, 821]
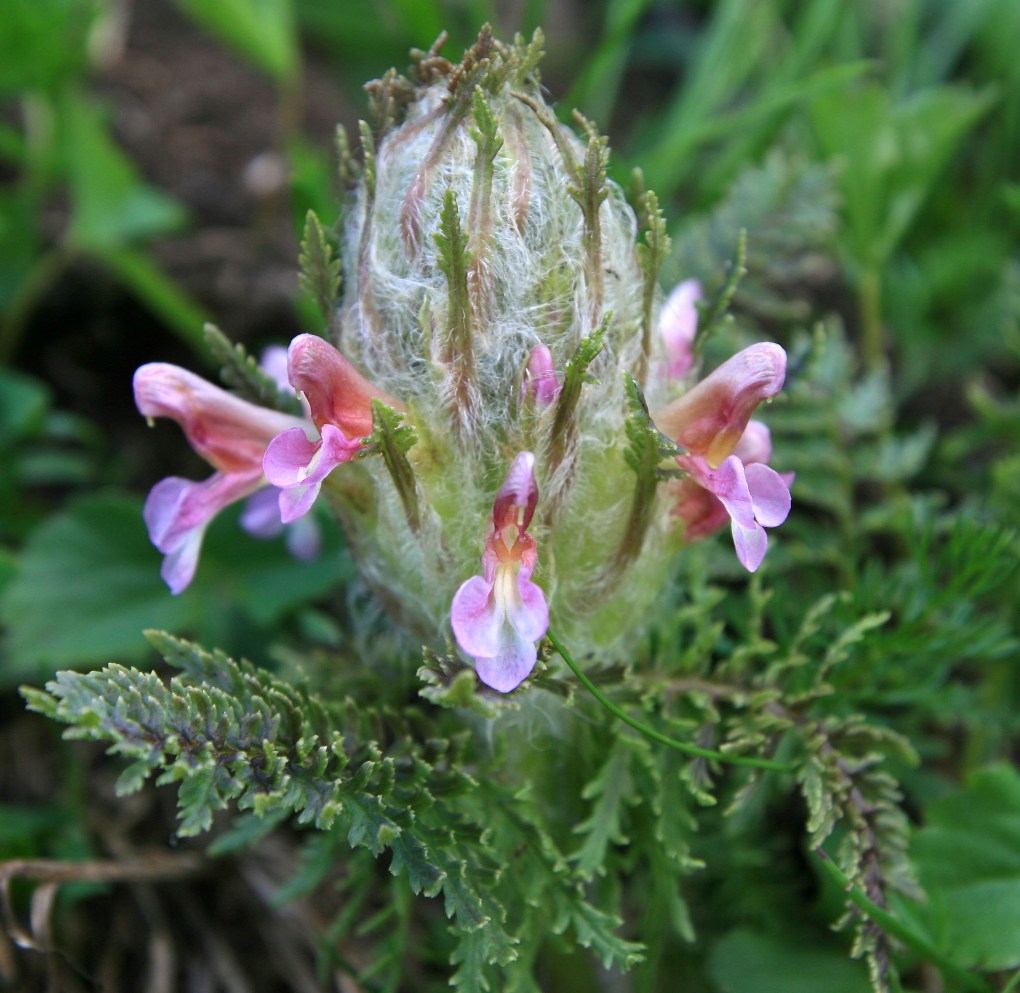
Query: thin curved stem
[900, 931]
[649, 732]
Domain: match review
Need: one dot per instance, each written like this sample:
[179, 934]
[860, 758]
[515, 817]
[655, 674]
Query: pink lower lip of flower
[261, 519]
[710, 418]
[754, 497]
[229, 433]
[298, 466]
[178, 511]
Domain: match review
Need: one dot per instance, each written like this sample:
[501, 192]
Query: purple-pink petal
[678, 323]
[511, 666]
[303, 539]
[710, 418]
[298, 466]
[178, 511]
[727, 483]
[770, 494]
[751, 545]
[530, 614]
[519, 493]
[497, 623]
[261, 514]
[540, 380]
[287, 458]
[261, 518]
[755, 444]
[475, 618]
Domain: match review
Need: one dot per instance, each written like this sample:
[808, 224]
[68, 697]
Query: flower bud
[485, 240]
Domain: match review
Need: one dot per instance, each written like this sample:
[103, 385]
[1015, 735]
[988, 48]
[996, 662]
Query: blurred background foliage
[156, 163]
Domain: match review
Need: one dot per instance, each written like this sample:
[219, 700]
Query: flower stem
[649, 732]
[898, 930]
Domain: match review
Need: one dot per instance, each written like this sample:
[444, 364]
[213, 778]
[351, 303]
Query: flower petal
[709, 419]
[727, 482]
[304, 539]
[228, 432]
[177, 513]
[751, 545]
[755, 444]
[529, 615]
[770, 494]
[261, 514]
[517, 497]
[678, 323]
[336, 392]
[298, 466]
[511, 666]
[476, 619]
[701, 511]
[540, 380]
[287, 458]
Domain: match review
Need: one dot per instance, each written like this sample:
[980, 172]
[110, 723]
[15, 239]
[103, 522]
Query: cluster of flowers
[279, 462]
[499, 330]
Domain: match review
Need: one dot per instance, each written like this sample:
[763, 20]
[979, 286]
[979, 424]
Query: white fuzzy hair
[530, 285]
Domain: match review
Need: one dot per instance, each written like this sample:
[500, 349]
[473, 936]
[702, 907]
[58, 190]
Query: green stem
[898, 930]
[649, 732]
[869, 300]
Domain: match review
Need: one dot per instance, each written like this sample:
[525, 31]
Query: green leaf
[23, 402]
[749, 962]
[262, 31]
[320, 267]
[891, 154]
[43, 41]
[471, 960]
[612, 789]
[595, 929]
[968, 858]
[88, 586]
[111, 206]
[242, 373]
[393, 440]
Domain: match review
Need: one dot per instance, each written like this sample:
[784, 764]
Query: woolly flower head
[499, 344]
[482, 241]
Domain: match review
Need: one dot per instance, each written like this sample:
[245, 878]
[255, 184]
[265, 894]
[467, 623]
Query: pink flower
[229, 433]
[497, 618]
[540, 382]
[340, 404]
[709, 419]
[742, 489]
[678, 323]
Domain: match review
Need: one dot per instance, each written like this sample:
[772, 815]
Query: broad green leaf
[23, 402]
[111, 206]
[747, 962]
[261, 31]
[88, 585]
[41, 41]
[968, 858]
